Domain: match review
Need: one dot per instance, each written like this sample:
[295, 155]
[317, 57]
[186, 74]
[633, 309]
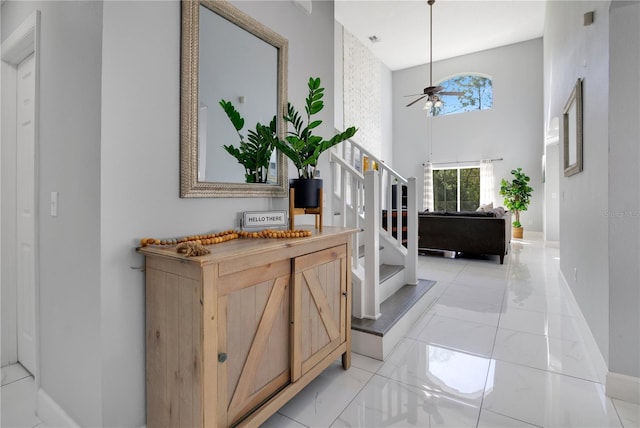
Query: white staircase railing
[363, 188]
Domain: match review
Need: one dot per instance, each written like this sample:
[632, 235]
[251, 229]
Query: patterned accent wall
[362, 93]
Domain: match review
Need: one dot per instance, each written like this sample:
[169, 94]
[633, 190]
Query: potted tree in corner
[304, 148]
[517, 196]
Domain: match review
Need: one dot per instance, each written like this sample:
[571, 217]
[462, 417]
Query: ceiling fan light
[438, 104]
[428, 105]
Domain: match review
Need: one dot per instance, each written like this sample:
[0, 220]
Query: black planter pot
[306, 192]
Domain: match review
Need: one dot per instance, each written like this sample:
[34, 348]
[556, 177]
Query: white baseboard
[50, 412]
[599, 363]
[619, 386]
[623, 387]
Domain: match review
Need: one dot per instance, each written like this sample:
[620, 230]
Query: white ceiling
[459, 26]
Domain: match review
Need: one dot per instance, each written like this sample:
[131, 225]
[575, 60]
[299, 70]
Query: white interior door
[26, 212]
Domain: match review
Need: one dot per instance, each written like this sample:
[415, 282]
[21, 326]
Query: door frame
[22, 43]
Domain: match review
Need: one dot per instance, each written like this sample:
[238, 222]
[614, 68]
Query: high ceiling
[459, 26]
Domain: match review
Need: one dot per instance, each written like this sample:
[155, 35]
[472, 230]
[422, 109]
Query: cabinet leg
[346, 360]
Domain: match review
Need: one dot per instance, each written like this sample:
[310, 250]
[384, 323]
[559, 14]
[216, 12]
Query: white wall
[140, 159]
[551, 194]
[624, 189]
[512, 129]
[362, 93]
[69, 163]
[386, 97]
[385, 87]
[572, 50]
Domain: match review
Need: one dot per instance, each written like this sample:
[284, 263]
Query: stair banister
[372, 244]
[359, 195]
[411, 265]
[391, 176]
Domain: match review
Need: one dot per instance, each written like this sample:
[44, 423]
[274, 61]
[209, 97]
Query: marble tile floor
[500, 347]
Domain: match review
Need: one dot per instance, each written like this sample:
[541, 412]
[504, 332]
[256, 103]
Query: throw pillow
[499, 211]
[485, 208]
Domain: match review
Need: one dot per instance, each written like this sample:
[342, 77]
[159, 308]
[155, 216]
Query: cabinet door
[319, 307]
[253, 338]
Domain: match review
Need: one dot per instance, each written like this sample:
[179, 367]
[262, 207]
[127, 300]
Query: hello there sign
[262, 219]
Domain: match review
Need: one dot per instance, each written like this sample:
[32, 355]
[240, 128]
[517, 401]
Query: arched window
[477, 94]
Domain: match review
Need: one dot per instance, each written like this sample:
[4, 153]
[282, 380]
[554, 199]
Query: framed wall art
[572, 131]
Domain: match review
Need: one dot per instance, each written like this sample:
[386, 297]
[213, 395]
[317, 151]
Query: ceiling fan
[432, 93]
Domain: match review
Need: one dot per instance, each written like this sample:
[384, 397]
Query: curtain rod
[442, 163]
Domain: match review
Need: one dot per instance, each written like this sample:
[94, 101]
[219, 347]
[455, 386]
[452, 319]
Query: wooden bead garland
[227, 235]
[276, 234]
[208, 239]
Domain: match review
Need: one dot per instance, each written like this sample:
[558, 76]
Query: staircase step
[388, 271]
[361, 250]
[393, 309]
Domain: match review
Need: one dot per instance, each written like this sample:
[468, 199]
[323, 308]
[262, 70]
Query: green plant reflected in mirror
[255, 152]
[212, 163]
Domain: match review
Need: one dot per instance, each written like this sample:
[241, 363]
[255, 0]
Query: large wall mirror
[228, 55]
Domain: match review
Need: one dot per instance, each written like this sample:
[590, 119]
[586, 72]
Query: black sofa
[466, 232]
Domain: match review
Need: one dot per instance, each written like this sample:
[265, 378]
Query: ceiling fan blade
[415, 101]
[414, 95]
[459, 94]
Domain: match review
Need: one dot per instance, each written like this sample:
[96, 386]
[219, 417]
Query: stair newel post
[381, 188]
[358, 292]
[336, 176]
[352, 155]
[371, 289]
[411, 266]
[356, 203]
[343, 193]
[389, 207]
[345, 145]
[349, 180]
[344, 183]
[399, 209]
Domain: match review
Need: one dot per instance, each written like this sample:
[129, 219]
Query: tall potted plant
[304, 148]
[517, 196]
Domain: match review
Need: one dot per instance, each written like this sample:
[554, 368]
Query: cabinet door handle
[222, 357]
[345, 294]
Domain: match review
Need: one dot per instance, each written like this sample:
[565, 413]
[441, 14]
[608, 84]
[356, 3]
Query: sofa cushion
[462, 213]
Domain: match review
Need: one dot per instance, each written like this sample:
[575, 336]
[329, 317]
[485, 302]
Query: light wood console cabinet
[233, 335]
